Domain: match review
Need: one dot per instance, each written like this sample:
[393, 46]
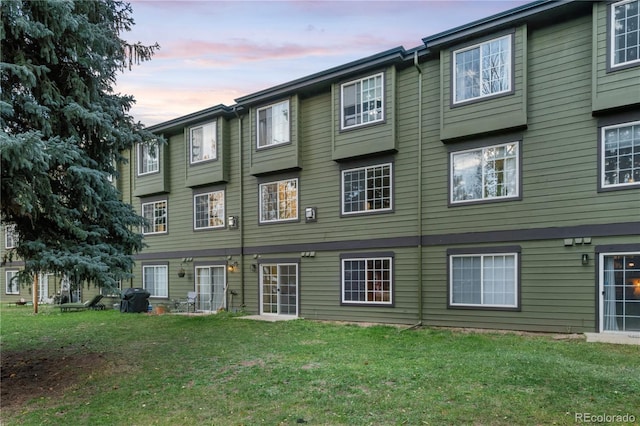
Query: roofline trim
[468, 30]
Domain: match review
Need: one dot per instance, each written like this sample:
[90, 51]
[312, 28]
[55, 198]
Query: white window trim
[12, 272]
[603, 151]
[293, 219]
[139, 152]
[166, 277]
[612, 37]
[166, 224]
[10, 236]
[260, 144]
[387, 209]
[516, 285]
[366, 302]
[483, 198]
[382, 101]
[215, 141]
[195, 227]
[479, 45]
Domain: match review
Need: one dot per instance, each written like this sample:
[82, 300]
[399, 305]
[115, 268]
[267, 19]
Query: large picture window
[155, 214]
[487, 280]
[482, 70]
[620, 155]
[485, 173]
[11, 283]
[279, 201]
[273, 124]
[155, 280]
[208, 210]
[625, 33]
[362, 101]
[367, 280]
[367, 189]
[148, 158]
[202, 143]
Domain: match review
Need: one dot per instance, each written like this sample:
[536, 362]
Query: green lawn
[141, 369]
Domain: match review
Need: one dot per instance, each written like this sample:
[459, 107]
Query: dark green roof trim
[492, 23]
[177, 124]
[323, 78]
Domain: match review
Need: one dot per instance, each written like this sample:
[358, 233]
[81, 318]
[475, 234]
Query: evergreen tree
[62, 132]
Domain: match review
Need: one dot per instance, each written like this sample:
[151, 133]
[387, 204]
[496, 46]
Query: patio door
[210, 288]
[279, 289]
[620, 292]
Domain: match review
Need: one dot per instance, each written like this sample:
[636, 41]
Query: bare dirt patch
[43, 373]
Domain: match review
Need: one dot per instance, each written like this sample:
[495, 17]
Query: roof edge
[486, 24]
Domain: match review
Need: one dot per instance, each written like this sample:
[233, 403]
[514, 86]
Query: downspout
[241, 205]
[420, 288]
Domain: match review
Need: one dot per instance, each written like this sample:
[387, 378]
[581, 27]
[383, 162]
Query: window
[362, 101]
[12, 286]
[202, 143]
[208, 210]
[10, 236]
[366, 189]
[367, 280]
[484, 280]
[620, 155]
[154, 280]
[482, 70]
[279, 201]
[148, 158]
[485, 173]
[155, 214]
[625, 33]
[273, 124]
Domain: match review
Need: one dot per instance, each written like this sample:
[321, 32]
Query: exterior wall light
[232, 267]
[233, 222]
[585, 259]
[310, 214]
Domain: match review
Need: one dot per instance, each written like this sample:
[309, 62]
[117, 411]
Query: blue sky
[212, 52]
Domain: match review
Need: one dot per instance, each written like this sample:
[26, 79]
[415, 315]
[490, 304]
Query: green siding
[610, 89]
[153, 183]
[366, 139]
[209, 172]
[278, 157]
[488, 115]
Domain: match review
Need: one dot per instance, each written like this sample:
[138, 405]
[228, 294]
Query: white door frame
[278, 288]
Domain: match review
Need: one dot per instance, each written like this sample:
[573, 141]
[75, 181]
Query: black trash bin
[134, 300]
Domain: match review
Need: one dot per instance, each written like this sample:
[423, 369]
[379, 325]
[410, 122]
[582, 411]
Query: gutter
[419, 214]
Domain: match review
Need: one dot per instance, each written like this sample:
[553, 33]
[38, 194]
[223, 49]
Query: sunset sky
[212, 52]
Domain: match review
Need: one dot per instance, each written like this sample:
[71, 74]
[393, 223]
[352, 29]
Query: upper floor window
[620, 155]
[279, 201]
[148, 158]
[625, 33]
[10, 236]
[273, 124]
[482, 70]
[155, 214]
[208, 210]
[362, 101]
[202, 143]
[367, 280]
[485, 174]
[12, 286]
[489, 280]
[155, 280]
[367, 189]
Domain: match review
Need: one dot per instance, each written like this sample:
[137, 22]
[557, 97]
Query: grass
[218, 370]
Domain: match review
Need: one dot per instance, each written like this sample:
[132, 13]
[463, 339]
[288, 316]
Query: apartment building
[489, 177]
